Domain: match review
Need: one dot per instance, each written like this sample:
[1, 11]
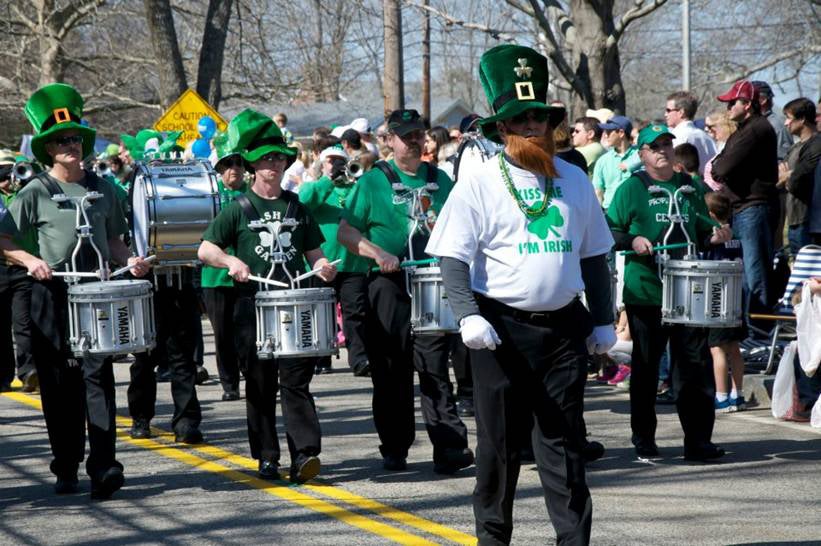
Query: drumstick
[411, 263]
[76, 274]
[314, 272]
[130, 267]
[266, 281]
[661, 247]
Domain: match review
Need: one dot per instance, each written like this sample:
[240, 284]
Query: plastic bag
[815, 418]
[784, 385]
[808, 328]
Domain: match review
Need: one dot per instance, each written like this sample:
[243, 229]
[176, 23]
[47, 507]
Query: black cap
[403, 122]
[763, 88]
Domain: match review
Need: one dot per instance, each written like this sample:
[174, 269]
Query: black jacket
[802, 178]
[748, 164]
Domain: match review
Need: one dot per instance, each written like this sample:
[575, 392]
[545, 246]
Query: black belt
[538, 318]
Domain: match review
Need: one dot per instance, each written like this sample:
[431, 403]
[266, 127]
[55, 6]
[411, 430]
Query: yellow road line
[283, 492]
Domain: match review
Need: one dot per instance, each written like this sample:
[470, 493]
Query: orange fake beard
[534, 154]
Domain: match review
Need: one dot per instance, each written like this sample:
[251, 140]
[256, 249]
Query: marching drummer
[639, 220]
[519, 238]
[375, 225]
[267, 157]
[72, 390]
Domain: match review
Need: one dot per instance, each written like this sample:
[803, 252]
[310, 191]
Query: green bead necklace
[531, 213]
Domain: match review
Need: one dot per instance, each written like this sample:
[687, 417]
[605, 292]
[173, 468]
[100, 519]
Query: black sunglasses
[656, 146]
[274, 157]
[539, 116]
[232, 162]
[68, 140]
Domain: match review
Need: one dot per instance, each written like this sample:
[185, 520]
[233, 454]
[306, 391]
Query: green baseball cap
[649, 134]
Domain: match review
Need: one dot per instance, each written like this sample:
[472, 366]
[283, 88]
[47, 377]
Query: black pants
[536, 375]
[691, 370]
[220, 303]
[71, 395]
[460, 356]
[393, 355]
[262, 381]
[15, 315]
[176, 311]
[352, 293]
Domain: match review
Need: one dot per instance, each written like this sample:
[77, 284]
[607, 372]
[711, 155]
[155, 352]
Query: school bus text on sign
[184, 114]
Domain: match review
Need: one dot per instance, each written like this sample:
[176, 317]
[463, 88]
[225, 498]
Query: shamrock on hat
[514, 79]
[52, 109]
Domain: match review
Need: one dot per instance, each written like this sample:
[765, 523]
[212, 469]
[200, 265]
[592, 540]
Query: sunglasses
[539, 116]
[68, 140]
[232, 162]
[709, 127]
[656, 146]
[274, 157]
[668, 110]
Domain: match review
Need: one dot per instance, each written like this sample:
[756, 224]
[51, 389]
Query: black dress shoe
[452, 460]
[163, 375]
[202, 375]
[268, 470]
[464, 407]
[188, 435]
[592, 451]
[229, 396]
[394, 462]
[647, 450]
[31, 383]
[111, 480]
[704, 453]
[66, 485]
[362, 369]
[306, 467]
[140, 428]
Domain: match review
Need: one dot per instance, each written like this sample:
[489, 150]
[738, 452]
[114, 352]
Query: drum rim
[90, 288]
[291, 292]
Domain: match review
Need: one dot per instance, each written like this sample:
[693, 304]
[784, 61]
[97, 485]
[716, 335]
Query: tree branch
[744, 72]
[453, 21]
[638, 11]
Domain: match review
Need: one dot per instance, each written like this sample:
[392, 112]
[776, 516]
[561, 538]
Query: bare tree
[165, 45]
[394, 86]
[209, 75]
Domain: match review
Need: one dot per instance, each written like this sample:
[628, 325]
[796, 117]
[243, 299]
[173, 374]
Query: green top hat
[514, 79]
[258, 135]
[222, 147]
[149, 141]
[54, 108]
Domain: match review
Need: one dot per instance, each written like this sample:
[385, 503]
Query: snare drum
[430, 310]
[702, 293]
[111, 317]
[296, 323]
[171, 205]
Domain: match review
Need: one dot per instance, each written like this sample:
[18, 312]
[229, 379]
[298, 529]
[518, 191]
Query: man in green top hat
[638, 219]
[325, 199]
[267, 156]
[376, 225]
[520, 237]
[72, 390]
[218, 289]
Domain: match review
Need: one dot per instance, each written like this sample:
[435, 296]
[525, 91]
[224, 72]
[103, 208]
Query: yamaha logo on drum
[715, 299]
[307, 331]
[123, 326]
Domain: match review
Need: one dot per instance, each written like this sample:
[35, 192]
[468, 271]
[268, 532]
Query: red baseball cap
[742, 89]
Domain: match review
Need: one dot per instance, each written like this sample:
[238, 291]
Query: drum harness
[421, 213]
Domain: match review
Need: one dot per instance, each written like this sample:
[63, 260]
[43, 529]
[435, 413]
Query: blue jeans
[752, 227]
[798, 237]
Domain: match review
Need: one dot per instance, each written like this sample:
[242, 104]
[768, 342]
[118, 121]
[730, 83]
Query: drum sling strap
[86, 259]
[677, 236]
[431, 174]
[251, 211]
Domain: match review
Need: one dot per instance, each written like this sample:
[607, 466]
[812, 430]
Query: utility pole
[685, 44]
[426, 65]
[393, 80]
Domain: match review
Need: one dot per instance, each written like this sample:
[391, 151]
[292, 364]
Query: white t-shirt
[529, 265]
[686, 131]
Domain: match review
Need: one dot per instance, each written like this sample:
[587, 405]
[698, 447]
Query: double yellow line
[191, 456]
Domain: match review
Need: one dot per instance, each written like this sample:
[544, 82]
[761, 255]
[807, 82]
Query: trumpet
[102, 168]
[22, 172]
[354, 169]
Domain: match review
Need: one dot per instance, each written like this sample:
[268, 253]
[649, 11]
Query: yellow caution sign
[184, 114]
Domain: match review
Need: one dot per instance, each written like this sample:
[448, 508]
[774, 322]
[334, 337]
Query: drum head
[140, 222]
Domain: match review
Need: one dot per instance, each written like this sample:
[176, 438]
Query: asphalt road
[767, 490]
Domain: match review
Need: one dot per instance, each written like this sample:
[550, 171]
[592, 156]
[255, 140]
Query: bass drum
[171, 205]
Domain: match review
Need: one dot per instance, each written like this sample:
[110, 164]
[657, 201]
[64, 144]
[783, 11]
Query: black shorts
[720, 336]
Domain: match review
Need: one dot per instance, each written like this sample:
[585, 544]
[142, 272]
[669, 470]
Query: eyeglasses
[274, 157]
[539, 116]
[668, 110]
[232, 162]
[68, 140]
[709, 127]
[381, 135]
[656, 146]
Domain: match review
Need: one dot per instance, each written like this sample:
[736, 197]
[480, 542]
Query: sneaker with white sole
[738, 404]
[723, 406]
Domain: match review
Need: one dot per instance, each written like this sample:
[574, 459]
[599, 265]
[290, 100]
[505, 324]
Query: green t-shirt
[634, 210]
[607, 177]
[382, 214]
[230, 230]
[326, 202]
[213, 277]
[55, 226]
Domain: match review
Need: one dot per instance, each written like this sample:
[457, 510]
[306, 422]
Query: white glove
[477, 333]
[601, 340]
